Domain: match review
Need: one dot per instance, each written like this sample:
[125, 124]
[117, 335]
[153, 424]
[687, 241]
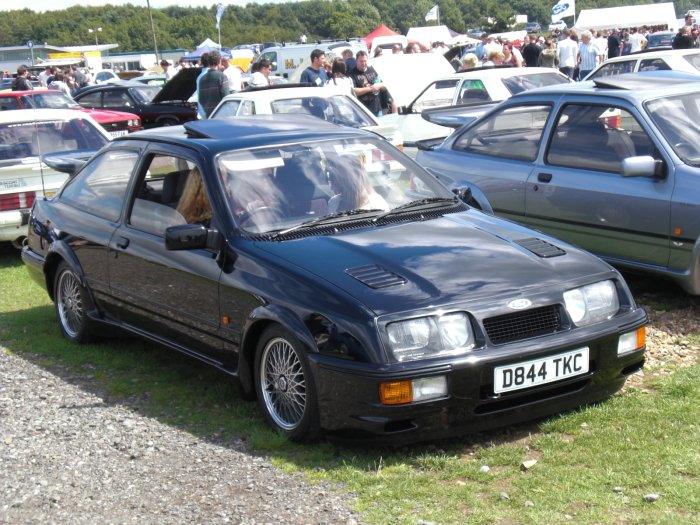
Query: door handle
[123, 243]
[544, 177]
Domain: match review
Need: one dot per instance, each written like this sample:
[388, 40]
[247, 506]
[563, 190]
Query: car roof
[653, 53]
[30, 93]
[246, 132]
[500, 72]
[632, 86]
[283, 91]
[27, 115]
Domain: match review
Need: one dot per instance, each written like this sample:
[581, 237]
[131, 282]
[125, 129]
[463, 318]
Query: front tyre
[71, 302]
[285, 386]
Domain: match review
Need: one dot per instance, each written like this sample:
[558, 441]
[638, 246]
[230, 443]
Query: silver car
[612, 166]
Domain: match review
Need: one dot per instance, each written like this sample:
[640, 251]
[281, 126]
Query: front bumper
[350, 407]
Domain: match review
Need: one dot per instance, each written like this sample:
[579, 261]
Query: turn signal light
[396, 392]
[632, 341]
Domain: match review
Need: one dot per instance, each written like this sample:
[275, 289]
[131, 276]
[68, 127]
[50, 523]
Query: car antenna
[38, 149]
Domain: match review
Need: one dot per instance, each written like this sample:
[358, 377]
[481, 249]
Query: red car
[117, 123]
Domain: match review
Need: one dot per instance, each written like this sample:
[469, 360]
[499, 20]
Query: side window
[473, 91]
[91, 100]
[228, 109]
[615, 68]
[171, 193]
[654, 64]
[437, 94]
[512, 133]
[247, 108]
[100, 187]
[272, 57]
[597, 138]
[116, 99]
[9, 103]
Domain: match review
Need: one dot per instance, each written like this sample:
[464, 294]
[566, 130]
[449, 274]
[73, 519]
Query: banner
[563, 9]
[432, 14]
[219, 14]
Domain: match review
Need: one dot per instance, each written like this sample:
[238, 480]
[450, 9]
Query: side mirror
[403, 110]
[644, 166]
[190, 237]
[464, 194]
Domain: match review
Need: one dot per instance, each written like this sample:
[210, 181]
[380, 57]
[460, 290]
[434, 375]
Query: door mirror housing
[643, 166]
[190, 237]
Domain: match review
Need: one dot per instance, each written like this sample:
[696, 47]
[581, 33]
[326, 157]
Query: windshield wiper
[430, 202]
[326, 219]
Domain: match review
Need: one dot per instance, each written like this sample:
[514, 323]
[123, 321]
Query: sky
[55, 5]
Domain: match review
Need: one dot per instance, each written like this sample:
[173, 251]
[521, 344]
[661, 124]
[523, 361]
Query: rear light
[17, 201]
[613, 122]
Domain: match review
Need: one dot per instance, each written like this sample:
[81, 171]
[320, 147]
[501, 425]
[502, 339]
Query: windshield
[678, 120]
[31, 139]
[50, 100]
[280, 188]
[338, 109]
[521, 83]
[145, 94]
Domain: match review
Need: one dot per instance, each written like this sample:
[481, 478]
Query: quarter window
[615, 68]
[440, 93]
[654, 64]
[512, 133]
[100, 187]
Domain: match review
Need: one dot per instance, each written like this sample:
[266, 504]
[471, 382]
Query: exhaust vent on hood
[540, 248]
[375, 276]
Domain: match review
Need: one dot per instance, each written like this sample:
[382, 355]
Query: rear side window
[91, 100]
[437, 94]
[9, 103]
[512, 133]
[693, 60]
[99, 189]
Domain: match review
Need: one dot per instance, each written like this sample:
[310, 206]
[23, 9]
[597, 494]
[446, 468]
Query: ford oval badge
[519, 304]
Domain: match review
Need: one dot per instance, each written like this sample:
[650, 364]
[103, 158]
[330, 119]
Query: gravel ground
[67, 457]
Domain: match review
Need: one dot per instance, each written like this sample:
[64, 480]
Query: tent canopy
[207, 47]
[382, 30]
[628, 16]
[428, 34]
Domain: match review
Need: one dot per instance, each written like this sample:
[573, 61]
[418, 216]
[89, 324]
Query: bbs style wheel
[71, 302]
[285, 387]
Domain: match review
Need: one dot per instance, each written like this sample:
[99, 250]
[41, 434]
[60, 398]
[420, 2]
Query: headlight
[592, 303]
[433, 336]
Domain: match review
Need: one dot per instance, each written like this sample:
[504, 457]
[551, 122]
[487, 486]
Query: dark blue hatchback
[333, 278]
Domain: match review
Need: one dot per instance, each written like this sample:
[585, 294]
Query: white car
[685, 60]
[480, 85]
[25, 135]
[326, 103]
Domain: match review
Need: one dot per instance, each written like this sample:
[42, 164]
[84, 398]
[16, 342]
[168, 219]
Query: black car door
[171, 295]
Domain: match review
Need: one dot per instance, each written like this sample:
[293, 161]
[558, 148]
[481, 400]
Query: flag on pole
[563, 9]
[432, 14]
[219, 14]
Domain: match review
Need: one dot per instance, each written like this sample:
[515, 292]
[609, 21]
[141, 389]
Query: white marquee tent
[628, 16]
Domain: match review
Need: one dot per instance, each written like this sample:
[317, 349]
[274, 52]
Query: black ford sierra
[333, 278]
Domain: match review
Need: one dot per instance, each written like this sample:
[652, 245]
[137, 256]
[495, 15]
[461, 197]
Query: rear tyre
[71, 301]
[285, 386]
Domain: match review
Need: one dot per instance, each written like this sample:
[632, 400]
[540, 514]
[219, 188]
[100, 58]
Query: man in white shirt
[567, 51]
[233, 74]
[637, 41]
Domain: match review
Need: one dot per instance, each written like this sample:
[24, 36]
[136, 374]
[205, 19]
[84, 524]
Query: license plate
[119, 133]
[11, 183]
[540, 371]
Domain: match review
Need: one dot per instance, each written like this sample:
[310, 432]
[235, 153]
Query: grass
[594, 465]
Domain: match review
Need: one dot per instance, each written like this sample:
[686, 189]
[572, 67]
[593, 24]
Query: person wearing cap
[169, 73]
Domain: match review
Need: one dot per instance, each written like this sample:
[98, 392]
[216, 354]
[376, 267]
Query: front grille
[523, 325]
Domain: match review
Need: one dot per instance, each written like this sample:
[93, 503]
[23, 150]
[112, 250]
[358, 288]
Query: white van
[285, 59]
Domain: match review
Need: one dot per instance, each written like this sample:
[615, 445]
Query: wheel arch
[258, 321]
[60, 252]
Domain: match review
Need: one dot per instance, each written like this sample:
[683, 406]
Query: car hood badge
[519, 304]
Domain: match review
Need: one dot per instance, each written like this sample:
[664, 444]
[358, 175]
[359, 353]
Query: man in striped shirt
[589, 55]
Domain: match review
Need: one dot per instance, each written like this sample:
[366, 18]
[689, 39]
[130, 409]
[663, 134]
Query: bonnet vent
[375, 276]
[540, 248]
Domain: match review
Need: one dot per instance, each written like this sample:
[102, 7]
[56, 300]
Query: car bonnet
[451, 259]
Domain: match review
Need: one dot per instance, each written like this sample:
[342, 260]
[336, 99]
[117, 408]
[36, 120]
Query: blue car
[333, 278]
[612, 166]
